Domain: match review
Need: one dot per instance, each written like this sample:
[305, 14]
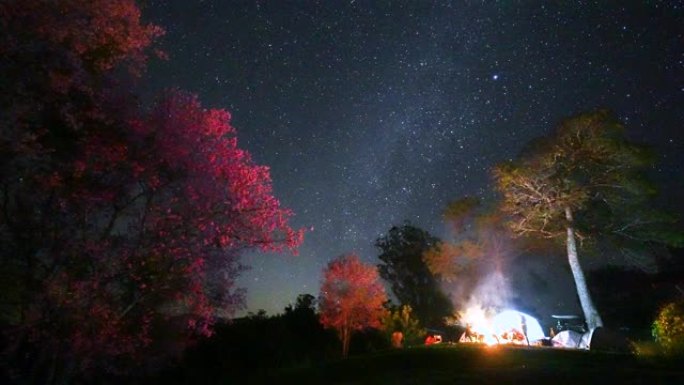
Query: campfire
[487, 321]
[506, 327]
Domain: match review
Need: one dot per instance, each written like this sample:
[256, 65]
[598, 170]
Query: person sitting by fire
[397, 339]
[429, 340]
[512, 336]
[469, 334]
[523, 326]
[433, 339]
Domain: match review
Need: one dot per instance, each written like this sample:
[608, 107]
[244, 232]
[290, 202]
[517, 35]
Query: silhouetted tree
[401, 251]
[305, 303]
[244, 348]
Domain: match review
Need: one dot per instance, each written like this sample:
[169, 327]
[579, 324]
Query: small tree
[401, 319]
[668, 328]
[351, 298]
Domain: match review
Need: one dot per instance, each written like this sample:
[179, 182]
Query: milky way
[373, 113]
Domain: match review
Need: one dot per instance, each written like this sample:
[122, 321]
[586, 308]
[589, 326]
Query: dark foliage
[401, 251]
[630, 298]
[254, 345]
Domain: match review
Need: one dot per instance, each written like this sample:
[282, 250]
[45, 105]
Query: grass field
[459, 364]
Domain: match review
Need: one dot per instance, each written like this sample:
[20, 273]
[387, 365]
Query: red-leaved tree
[121, 228]
[351, 298]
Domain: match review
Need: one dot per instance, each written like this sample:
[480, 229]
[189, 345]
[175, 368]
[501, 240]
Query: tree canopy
[589, 166]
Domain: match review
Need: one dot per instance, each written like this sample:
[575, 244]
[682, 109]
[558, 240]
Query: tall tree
[584, 179]
[116, 223]
[401, 251]
[352, 297]
[59, 58]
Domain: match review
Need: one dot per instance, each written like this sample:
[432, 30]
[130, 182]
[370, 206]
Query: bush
[645, 349]
[668, 328]
[402, 319]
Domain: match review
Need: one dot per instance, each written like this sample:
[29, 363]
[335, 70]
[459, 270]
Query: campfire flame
[506, 327]
[478, 322]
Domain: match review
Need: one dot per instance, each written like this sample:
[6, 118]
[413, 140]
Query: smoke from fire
[491, 271]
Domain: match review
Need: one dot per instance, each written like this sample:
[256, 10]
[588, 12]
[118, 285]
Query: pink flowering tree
[121, 228]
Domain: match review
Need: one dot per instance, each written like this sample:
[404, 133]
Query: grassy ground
[459, 364]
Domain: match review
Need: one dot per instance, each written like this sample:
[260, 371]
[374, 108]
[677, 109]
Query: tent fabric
[567, 339]
[513, 320]
[585, 343]
[572, 339]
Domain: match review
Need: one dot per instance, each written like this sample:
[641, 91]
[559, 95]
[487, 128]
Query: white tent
[514, 320]
[567, 339]
[573, 339]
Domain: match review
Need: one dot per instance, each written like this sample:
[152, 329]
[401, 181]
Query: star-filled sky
[371, 113]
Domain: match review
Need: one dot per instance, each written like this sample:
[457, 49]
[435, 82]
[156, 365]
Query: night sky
[372, 113]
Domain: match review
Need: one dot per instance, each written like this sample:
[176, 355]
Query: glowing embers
[506, 327]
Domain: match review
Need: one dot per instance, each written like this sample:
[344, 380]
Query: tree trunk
[591, 315]
[345, 341]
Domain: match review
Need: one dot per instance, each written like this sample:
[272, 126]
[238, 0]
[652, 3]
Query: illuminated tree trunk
[346, 336]
[591, 315]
